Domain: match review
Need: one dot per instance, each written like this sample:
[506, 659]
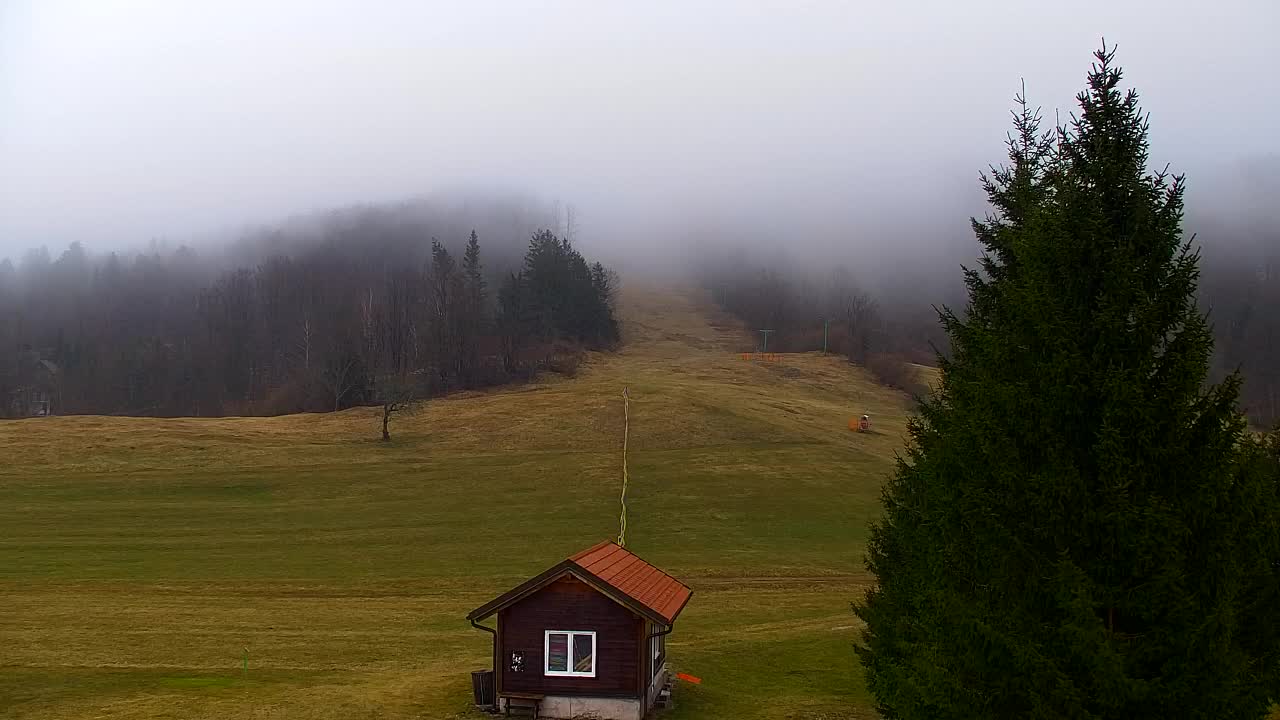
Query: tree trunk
[386, 417]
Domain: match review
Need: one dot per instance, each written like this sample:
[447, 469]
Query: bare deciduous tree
[396, 394]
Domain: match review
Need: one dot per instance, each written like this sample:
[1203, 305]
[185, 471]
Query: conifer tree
[1069, 534]
[442, 306]
[473, 274]
[473, 321]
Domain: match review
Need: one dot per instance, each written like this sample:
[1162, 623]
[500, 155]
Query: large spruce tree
[1069, 533]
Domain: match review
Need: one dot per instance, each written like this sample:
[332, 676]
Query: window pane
[583, 652]
[557, 652]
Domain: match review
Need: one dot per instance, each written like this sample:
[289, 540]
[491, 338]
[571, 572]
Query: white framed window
[569, 653]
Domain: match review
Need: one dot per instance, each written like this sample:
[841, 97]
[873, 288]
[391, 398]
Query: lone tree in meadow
[396, 394]
[1073, 531]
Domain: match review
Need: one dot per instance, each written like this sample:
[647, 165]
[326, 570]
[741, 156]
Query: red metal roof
[626, 573]
[611, 570]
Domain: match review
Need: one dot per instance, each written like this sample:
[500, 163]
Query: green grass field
[141, 558]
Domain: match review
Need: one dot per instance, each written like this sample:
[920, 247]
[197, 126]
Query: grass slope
[141, 558]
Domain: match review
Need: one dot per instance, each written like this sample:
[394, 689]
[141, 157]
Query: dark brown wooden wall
[570, 604]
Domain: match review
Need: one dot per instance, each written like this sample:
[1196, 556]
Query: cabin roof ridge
[635, 583]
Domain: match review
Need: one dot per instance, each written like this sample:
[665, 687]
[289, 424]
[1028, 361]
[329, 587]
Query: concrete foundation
[596, 708]
[565, 707]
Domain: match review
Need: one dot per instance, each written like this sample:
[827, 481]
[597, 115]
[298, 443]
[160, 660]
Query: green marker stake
[245, 668]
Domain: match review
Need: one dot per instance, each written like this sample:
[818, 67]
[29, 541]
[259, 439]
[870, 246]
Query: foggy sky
[829, 123]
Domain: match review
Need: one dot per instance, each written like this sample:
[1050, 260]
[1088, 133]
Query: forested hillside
[816, 310]
[293, 321]
[1240, 290]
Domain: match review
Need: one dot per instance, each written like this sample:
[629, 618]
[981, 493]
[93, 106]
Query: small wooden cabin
[585, 638]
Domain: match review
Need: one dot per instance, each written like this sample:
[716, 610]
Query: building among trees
[34, 385]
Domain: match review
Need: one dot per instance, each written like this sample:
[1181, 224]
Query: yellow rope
[626, 430]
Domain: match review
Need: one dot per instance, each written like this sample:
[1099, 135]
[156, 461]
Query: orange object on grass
[689, 678]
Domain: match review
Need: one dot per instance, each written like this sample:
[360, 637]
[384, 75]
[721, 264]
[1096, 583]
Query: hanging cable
[626, 430]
